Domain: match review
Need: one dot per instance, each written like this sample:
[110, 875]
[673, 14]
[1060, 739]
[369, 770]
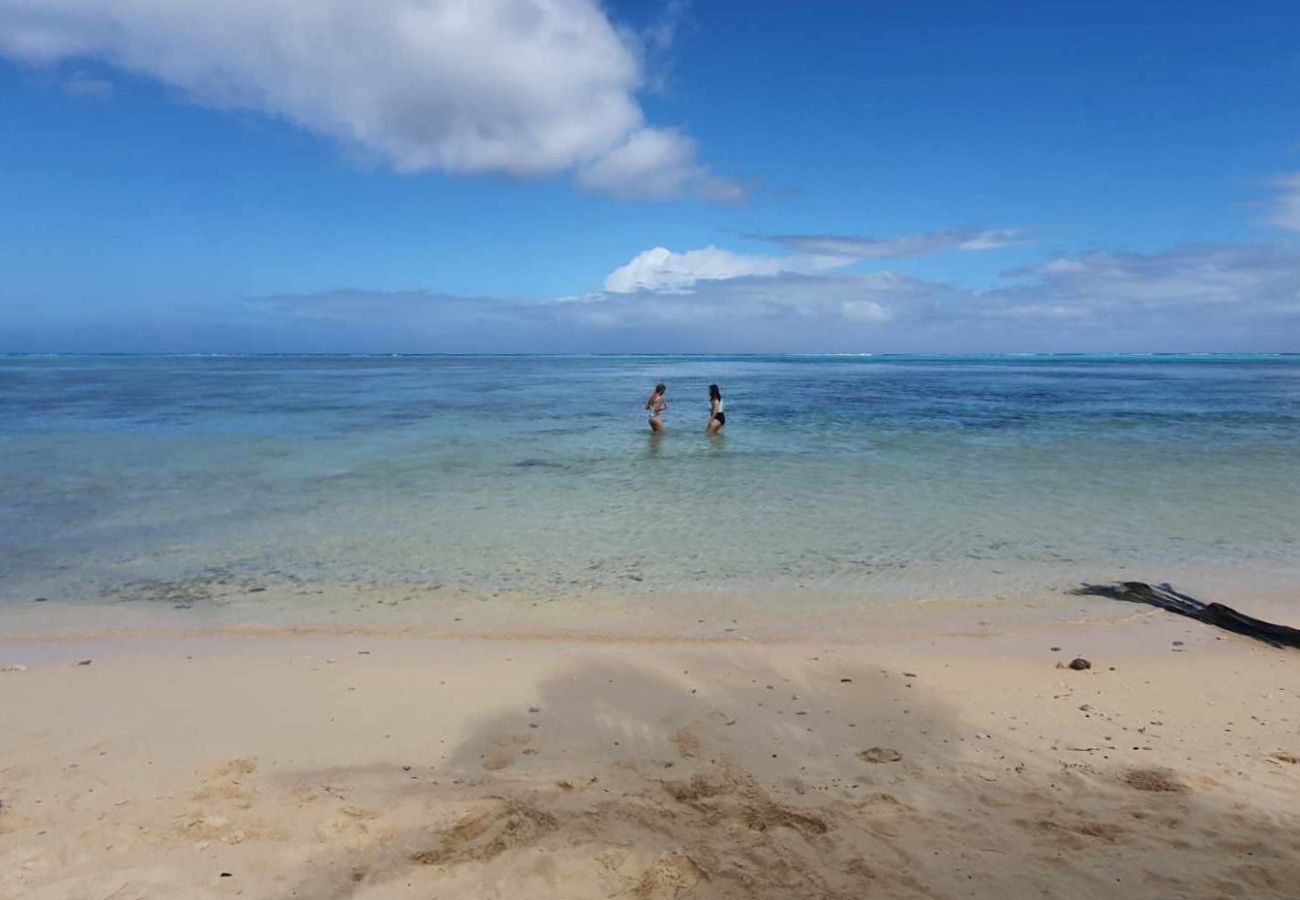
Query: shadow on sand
[730, 781]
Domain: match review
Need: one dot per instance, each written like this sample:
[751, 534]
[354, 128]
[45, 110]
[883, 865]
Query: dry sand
[865, 765]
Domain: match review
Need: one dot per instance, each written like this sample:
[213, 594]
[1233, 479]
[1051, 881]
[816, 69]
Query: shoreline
[379, 765]
[267, 608]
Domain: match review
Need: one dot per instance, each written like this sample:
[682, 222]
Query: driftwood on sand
[1225, 617]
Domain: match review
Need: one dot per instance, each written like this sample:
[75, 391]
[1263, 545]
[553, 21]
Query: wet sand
[955, 761]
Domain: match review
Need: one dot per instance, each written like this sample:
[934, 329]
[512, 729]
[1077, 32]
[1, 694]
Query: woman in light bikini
[657, 405]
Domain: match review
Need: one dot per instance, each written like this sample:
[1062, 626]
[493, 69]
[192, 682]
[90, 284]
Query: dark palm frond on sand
[1165, 597]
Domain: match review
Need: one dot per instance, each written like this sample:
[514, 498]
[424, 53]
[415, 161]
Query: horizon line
[614, 354]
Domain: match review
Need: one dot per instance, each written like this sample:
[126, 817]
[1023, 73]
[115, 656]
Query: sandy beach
[663, 450]
[958, 760]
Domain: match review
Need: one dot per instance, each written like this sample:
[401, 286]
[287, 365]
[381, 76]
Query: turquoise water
[846, 479]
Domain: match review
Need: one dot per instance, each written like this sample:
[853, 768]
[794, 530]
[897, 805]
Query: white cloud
[1207, 296]
[853, 247]
[657, 38]
[1193, 297]
[660, 269]
[1286, 206]
[780, 312]
[1101, 302]
[522, 87]
[662, 32]
[656, 164]
[1250, 277]
[864, 311]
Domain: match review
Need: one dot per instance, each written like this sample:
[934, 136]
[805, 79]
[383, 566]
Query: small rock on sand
[84, 662]
[14, 668]
[880, 755]
[1079, 664]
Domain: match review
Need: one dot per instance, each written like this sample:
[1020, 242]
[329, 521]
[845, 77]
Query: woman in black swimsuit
[717, 418]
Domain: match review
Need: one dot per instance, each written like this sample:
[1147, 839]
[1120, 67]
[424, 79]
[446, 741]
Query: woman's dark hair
[660, 388]
[714, 393]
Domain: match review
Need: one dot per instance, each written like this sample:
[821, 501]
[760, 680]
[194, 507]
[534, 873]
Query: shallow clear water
[860, 478]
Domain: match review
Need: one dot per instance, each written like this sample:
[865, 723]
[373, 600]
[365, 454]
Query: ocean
[839, 481]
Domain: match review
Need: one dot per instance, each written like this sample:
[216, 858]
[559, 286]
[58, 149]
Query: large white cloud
[523, 87]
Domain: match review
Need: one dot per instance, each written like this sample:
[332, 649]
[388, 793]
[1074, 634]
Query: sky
[572, 176]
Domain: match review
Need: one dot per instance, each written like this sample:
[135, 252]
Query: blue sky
[562, 175]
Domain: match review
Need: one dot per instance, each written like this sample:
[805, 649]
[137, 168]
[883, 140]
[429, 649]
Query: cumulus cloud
[522, 87]
[660, 269]
[890, 248]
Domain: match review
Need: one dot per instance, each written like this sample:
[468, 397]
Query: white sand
[377, 766]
